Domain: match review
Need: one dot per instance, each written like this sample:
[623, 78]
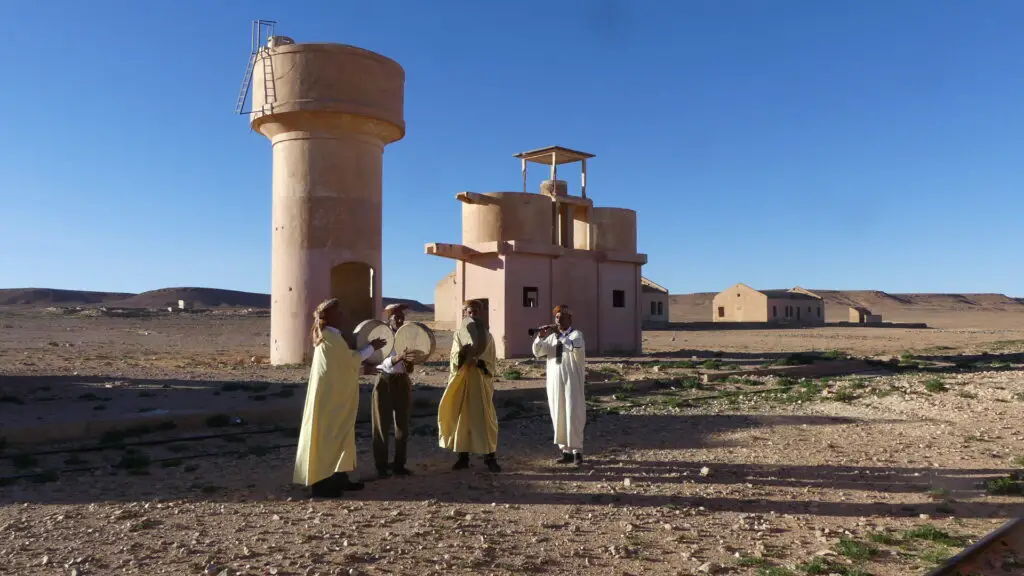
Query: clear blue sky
[850, 144]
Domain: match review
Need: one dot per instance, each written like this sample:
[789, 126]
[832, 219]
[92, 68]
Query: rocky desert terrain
[155, 442]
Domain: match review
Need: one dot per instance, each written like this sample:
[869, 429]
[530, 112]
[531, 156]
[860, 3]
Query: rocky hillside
[197, 297]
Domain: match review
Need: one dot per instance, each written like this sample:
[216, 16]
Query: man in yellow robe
[466, 419]
[327, 439]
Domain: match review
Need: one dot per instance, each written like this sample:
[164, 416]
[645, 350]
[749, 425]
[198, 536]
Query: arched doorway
[352, 285]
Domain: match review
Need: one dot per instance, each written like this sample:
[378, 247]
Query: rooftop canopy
[553, 155]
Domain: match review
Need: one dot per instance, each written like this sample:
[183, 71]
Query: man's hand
[409, 357]
[463, 355]
[545, 331]
[378, 343]
[483, 367]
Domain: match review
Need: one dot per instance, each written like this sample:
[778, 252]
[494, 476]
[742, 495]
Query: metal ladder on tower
[256, 46]
[269, 83]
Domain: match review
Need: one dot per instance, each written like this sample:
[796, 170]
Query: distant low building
[653, 303]
[861, 315]
[795, 306]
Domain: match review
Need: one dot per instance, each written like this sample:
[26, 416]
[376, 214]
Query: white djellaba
[565, 381]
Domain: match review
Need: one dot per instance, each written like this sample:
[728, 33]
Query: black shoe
[462, 463]
[402, 471]
[492, 464]
[578, 458]
[326, 488]
[345, 484]
[565, 458]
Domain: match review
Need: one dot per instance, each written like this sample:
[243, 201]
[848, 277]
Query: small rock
[925, 517]
[627, 482]
[706, 568]
[705, 471]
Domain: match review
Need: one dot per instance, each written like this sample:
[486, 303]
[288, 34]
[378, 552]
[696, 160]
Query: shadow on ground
[530, 477]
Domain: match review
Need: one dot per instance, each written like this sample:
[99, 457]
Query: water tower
[328, 110]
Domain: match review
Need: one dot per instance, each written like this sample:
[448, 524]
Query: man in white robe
[565, 350]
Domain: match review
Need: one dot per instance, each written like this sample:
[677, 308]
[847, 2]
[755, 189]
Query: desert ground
[888, 471]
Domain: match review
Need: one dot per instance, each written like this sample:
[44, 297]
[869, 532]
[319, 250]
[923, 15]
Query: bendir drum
[417, 338]
[366, 331]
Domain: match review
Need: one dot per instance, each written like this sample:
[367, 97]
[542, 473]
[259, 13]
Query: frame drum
[366, 331]
[415, 337]
[474, 333]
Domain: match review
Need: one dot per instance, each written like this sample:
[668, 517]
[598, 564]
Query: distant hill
[50, 296]
[196, 297]
[896, 307]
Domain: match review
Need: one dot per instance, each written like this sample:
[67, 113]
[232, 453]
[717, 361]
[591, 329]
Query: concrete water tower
[328, 110]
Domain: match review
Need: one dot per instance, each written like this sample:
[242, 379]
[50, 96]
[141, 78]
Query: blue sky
[849, 144]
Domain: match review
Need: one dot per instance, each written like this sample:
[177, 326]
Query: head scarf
[391, 309]
[318, 319]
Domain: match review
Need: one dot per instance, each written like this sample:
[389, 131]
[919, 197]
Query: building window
[530, 297]
[721, 311]
[819, 311]
[775, 311]
[660, 309]
[618, 298]
[654, 308]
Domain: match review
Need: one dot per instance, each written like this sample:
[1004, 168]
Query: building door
[797, 312]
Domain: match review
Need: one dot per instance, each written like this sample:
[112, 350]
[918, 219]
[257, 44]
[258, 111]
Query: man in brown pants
[392, 401]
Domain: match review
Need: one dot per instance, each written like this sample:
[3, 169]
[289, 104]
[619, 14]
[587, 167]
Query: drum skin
[474, 332]
[415, 337]
[367, 330]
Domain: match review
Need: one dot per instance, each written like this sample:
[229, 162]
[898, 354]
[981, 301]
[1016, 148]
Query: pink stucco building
[523, 253]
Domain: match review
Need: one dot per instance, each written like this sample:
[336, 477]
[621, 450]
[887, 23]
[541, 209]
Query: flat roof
[561, 155]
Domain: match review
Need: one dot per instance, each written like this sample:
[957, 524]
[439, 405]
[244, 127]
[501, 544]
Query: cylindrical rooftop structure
[328, 110]
[508, 216]
[613, 229]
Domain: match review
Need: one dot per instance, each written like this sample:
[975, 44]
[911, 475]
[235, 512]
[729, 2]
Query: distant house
[795, 306]
[653, 303]
[861, 315]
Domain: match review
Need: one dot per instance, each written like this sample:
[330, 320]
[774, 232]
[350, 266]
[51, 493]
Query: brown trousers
[392, 401]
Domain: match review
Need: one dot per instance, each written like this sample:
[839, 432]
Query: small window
[654, 308]
[530, 297]
[775, 311]
[660, 309]
[721, 311]
[819, 311]
[618, 298]
[808, 308]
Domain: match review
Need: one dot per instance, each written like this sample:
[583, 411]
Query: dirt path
[853, 476]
